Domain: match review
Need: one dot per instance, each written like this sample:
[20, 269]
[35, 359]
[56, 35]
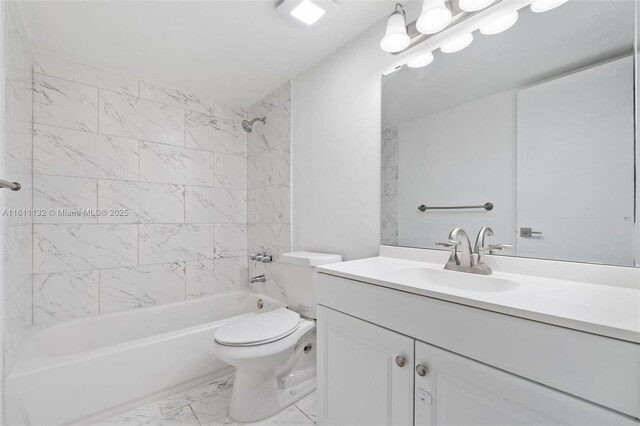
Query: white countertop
[612, 311]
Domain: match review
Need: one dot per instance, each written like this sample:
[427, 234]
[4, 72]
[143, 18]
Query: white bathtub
[82, 370]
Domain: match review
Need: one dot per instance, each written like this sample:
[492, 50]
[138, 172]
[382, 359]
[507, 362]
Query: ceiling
[230, 51]
[540, 46]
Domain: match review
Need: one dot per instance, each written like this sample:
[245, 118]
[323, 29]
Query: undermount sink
[451, 279]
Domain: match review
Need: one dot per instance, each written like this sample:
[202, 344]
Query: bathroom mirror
[538, 121]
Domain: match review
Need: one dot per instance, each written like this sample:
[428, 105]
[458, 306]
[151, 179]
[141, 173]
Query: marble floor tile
[207, 405]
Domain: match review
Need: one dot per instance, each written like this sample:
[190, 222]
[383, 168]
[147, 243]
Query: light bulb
[500, 24]
[396, 38]
[420, 60]
[473, 5]
[435, 17]
[457, 43]
[544, 5]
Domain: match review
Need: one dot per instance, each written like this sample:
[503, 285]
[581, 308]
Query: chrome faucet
[258, 279]
[459, 237]
[466, 262]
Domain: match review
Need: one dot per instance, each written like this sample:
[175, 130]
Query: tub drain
[260, 303]
[308, 348]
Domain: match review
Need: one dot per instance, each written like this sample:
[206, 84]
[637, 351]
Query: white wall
[336, 150]
[464, 155]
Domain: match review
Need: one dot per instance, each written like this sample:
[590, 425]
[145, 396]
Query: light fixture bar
[464, 22]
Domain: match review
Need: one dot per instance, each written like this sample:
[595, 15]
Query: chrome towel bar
[14, 186]
[486, 206]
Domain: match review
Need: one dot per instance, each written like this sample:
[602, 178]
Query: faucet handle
[492, 247]
[447, 245]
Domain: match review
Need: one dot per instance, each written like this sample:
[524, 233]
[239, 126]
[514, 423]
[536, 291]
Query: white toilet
[274, 351]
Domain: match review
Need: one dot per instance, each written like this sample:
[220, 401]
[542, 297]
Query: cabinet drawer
[599, 369]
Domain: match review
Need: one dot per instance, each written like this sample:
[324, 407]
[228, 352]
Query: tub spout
[258, 279]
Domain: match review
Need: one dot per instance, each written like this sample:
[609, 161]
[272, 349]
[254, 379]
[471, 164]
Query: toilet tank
[299, 278]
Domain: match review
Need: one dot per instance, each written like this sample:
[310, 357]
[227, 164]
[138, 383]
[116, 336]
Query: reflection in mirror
[537, 120]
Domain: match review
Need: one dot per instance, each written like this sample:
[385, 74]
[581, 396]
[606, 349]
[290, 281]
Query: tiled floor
[207, 405]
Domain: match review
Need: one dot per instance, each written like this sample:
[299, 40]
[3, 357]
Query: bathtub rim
[29, 361]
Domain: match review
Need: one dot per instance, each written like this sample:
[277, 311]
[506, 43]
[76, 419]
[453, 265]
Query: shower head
[248, 125]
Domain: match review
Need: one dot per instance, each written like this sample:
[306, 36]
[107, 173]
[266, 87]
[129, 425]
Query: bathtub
[82, 370]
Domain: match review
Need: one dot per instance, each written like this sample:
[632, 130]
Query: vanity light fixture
[457, 44]
[396, 38]
[307, 12]
[545, 5]
[500, 24]
[420, 60]
[434, 18]
[473, 5]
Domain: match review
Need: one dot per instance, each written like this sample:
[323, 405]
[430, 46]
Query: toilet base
[253, 400]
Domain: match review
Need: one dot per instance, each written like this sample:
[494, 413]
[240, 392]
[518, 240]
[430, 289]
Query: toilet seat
[258, 329]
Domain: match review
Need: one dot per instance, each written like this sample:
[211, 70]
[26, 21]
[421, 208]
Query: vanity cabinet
[386, 357]
[368, 370]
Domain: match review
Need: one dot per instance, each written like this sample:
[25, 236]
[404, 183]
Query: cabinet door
[459, 391]
[361, 377]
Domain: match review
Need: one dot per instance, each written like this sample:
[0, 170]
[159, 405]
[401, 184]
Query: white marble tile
[390, 181]
[61, 194]
[274, 286]
[202, 280]
[309, 405]
[230, 171]
[390, 208]
[22, 199]
[390, 147]
[64, 103]
[230, 239]
[138, 416]
[171, 243]
[270, 167]
[276, 131]
[230, 112]
[168, 164]
[209, 205]
[66, 152]
[84, 74]
[59, 248]
[221, 386]
[145, 202]
[264, 105]
[270, 204]
[272, 238]
[389, 233]
[145, 416]
[215, 134]
[175, 97]
[125, 116]
[213, 411]
[231, 272]
[284, 93]
[17, 321]
[18, 258]
[18, 125]
[65, 295]
[138, 286]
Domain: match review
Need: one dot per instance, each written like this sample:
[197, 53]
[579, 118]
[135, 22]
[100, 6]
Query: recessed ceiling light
[307, 12]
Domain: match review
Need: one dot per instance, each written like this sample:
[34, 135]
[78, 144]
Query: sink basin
[451, 279]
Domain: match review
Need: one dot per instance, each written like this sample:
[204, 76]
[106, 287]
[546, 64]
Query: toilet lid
[259, 328]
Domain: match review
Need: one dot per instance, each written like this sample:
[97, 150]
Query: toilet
[274, 351]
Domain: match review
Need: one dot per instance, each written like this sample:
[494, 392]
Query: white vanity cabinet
[368, 376]
[365, 332]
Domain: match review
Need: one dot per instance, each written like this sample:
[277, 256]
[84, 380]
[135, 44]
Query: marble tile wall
[175, 162]
[389, 186]
[15, 165]
[269, 187]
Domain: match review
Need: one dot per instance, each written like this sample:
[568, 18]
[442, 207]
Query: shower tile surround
[15, 157]
[269, 188]
[183, 168]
